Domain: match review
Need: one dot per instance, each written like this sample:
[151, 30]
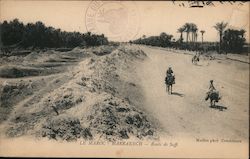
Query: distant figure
[212, 94]
[211, 57]
[169, 80]
[196, 58]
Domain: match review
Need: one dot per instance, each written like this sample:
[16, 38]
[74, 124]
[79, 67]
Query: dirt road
[185, 113]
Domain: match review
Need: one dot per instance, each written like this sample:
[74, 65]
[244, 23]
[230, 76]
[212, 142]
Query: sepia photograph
[151, 79]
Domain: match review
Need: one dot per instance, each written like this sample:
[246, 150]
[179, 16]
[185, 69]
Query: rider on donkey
[211, 88]
[170, 73]
[169, 80]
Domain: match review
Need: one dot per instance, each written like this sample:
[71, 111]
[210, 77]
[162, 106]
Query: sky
[127, 20]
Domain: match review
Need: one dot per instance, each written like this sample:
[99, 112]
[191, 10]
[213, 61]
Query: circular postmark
[119, 21]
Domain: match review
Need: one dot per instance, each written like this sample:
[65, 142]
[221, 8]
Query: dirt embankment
[83, 93]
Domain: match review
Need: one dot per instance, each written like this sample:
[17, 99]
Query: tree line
[230, 40]
[40, 36]
[163, 40]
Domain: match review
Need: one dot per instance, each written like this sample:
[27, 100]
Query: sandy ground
[119, 94]
[185, 113]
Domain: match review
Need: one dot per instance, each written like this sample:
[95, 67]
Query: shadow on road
[198, 65]
[178, 94]
[221, 108]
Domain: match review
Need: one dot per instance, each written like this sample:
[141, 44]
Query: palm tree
[196, 37]
[181, 30]
[193, 29]
[220, 27]
[187, 29]
[202, 32]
